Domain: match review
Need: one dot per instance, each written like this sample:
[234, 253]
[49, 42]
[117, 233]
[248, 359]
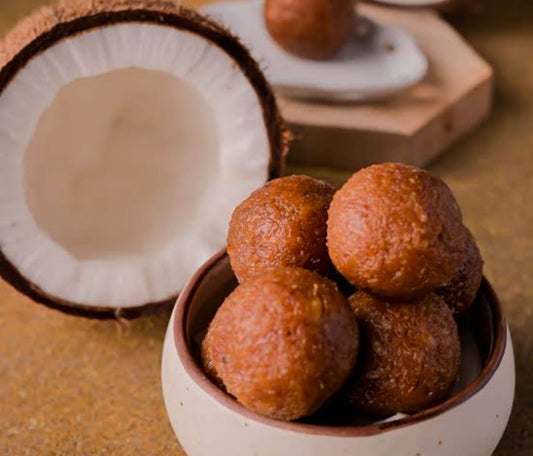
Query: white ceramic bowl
[209, 422]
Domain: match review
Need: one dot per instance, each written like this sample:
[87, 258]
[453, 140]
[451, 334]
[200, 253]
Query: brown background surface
[71, 386]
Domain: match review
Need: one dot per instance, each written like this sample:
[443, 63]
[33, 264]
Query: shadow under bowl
[207, 421]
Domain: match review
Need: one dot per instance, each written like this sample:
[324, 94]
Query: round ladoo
[129, 131]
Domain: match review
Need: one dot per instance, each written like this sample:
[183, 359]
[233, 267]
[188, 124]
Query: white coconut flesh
[123, 152]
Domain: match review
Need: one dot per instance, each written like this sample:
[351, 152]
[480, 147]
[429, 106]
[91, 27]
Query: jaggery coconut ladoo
[396, 231]
[283, 223]
[409, 358]
[283, 343]
[461, 291]
[313, 29]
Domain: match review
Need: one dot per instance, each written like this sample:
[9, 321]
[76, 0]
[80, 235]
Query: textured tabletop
[71, 386]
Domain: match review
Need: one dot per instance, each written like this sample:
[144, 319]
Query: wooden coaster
[412, 127]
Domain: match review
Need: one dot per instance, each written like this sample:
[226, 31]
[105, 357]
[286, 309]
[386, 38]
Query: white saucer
[418, 3]
[378, 62]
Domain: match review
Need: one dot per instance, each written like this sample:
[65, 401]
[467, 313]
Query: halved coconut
[129, 130]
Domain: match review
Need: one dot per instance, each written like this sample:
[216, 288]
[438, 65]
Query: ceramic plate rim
[407, 4]
[316, 92]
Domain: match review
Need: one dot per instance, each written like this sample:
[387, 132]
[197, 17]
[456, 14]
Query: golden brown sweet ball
[283, 223]
[461, 291]
[313, 29]
[283, 342]
[210, 369]
[396, 231]
[410, 355]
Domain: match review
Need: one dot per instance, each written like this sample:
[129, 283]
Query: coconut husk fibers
[50, 24]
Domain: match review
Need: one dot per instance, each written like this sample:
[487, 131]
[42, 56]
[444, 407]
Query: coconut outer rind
[11, 275]
[50, 24]
[46, 18]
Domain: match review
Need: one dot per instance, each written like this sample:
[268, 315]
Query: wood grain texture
[70, 386]
[414, 126]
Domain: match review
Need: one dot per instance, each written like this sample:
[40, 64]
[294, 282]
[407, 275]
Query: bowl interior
[481, 329]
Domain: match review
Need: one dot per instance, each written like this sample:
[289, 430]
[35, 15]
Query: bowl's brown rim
[199, 378]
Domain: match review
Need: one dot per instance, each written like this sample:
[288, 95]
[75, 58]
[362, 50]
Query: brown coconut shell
[67, 18]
